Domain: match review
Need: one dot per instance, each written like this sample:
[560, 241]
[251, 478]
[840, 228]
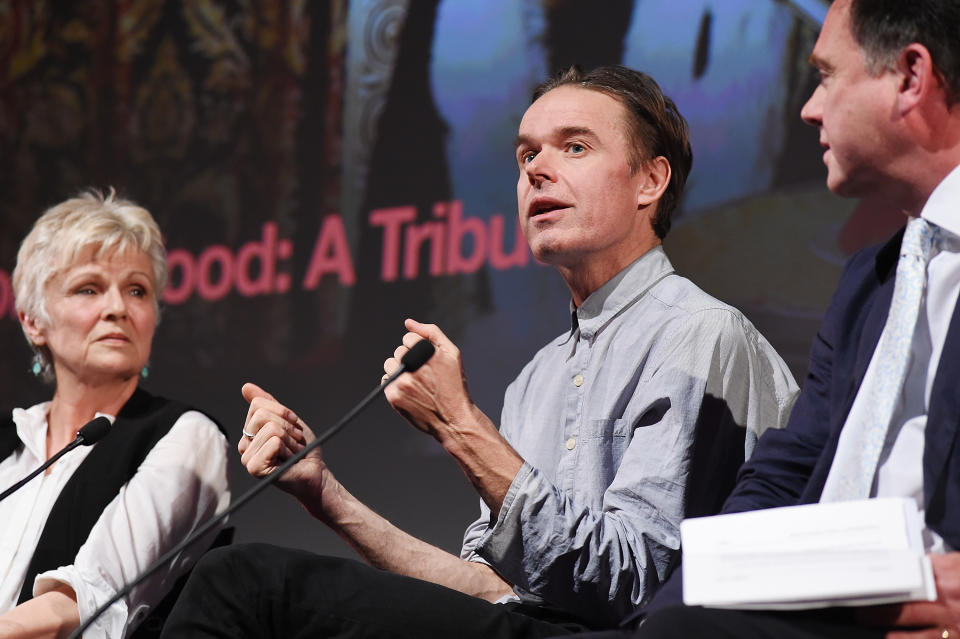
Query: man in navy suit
[888, 111]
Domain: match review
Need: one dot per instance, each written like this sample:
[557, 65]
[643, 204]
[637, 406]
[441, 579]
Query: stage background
[322, 170]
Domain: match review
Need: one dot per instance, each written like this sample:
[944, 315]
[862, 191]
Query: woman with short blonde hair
[88, 281]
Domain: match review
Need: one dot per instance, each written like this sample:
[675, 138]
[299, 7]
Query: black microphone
[413, 359]
[417, 356]
[91, 432]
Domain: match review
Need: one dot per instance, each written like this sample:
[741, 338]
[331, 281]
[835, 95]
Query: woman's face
[101, 317]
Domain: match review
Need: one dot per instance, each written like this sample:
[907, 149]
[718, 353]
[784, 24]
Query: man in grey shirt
[612, 434]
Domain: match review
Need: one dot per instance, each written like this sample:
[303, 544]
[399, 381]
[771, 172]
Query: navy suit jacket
[790, 466]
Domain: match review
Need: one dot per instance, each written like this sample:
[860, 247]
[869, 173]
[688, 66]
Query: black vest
[142, 422]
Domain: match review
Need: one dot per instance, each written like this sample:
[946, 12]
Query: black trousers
[258, 591]
[694, 622]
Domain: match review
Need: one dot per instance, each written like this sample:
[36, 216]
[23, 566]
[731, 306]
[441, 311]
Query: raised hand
[272, 433]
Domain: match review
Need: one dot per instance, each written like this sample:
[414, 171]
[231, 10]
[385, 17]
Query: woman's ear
[32, 328]
[655, 177]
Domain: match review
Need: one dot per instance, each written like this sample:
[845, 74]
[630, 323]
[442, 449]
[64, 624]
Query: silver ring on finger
[248, 435]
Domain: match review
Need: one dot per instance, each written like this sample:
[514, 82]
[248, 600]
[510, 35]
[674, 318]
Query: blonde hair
[91, 219]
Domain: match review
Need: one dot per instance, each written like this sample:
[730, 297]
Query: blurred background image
[324, 169]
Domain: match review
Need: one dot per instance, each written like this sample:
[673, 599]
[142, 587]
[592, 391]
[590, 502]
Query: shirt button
[571, 443]
[578, 380]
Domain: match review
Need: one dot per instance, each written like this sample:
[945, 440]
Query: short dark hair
[655, 125]
[883, 28]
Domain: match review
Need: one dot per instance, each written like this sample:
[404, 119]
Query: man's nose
[812, 111]
[540, 168]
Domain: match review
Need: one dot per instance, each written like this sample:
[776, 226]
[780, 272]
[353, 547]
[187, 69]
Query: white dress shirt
[181, 484]
[900, 470]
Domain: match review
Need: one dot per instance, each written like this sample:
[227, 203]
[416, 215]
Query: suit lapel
[942, 418]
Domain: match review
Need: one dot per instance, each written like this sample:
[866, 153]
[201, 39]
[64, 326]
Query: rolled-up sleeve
[572, 556]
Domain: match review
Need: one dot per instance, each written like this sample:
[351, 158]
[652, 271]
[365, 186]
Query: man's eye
[577, 148]
[527, 157]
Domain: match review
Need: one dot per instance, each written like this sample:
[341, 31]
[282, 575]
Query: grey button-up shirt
[605, 418]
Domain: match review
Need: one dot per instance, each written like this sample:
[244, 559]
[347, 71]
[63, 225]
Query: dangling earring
[144, 372]
[37, 367]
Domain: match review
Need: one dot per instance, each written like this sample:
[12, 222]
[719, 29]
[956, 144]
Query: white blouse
[180, 485]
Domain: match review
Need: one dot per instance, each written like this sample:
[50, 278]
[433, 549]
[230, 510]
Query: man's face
[577, 196]
[852, 108]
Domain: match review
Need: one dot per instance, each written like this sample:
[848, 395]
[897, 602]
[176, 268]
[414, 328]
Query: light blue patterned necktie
[851, 474]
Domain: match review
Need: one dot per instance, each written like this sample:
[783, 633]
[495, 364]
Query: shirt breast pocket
[605, 446]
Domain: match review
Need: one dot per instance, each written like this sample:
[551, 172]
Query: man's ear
[919, 78]
[33, 330]
[655, 174]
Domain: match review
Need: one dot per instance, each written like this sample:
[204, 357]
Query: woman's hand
[54, 614]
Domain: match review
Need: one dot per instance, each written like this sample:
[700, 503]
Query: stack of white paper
[834, 554]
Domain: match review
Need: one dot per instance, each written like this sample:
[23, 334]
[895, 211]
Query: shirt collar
[942, 205]
[32, 427]
[619, 292]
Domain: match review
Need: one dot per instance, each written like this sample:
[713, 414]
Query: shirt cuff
[91, 594]
[498, 545]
